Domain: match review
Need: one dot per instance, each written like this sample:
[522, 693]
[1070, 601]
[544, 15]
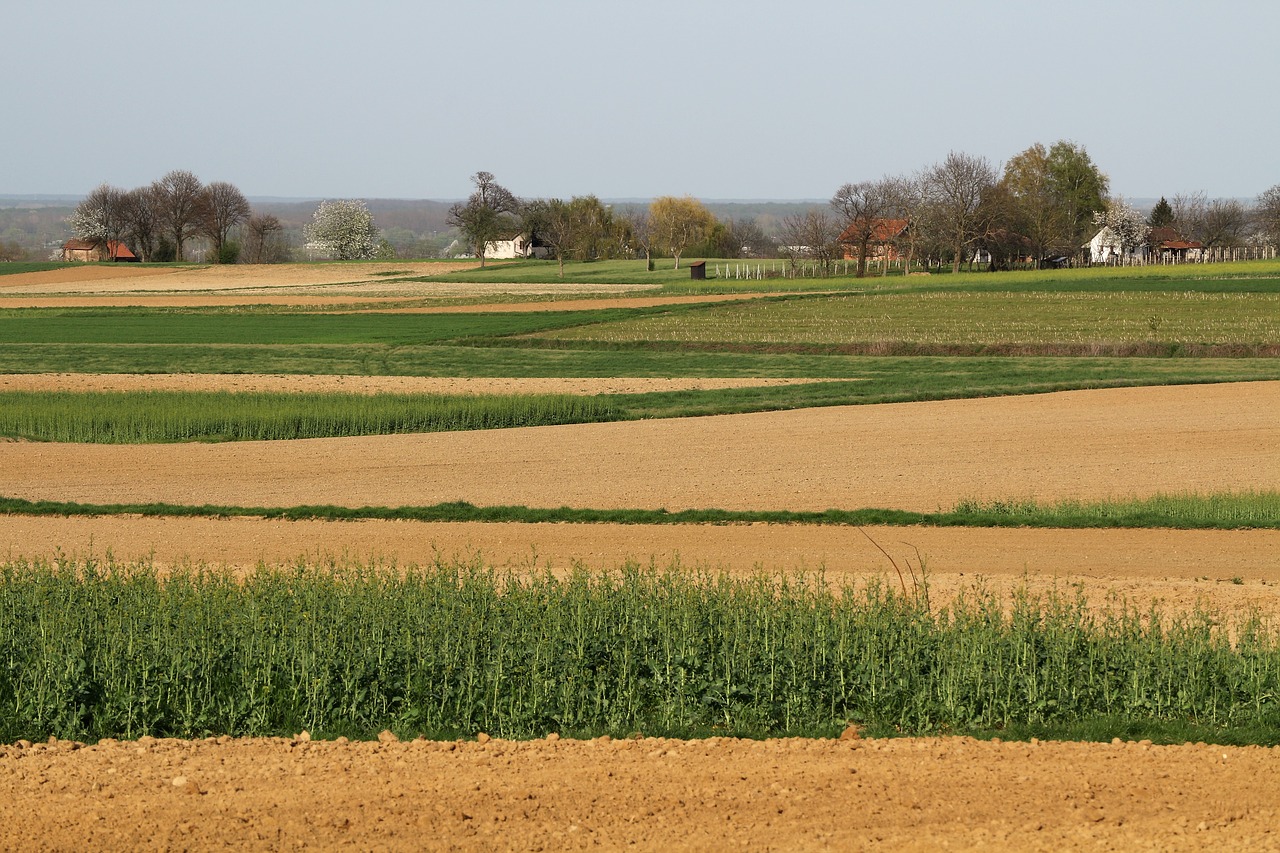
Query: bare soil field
[299, 383]
[1179, 570]
[645, 793]
[917, 456]
[138, 278]
[909, 794]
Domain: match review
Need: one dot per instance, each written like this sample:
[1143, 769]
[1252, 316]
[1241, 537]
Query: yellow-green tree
[678, 223]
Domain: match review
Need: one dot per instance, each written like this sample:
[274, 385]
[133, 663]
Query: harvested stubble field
[923, 793]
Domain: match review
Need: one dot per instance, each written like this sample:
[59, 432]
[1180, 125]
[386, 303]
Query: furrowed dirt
[648, 793]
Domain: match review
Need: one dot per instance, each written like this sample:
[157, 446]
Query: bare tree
[637, 223]
[487, 213]
[262, 240]
[906, 202]
[749, 240]
[553, 223]
[955, 189]
[863, 207]
[141, 221]
[813, 235]
[178, 202]
[1212, 222]
[1267, 215]
[1226, 222]
[222, 207]
[100, 219]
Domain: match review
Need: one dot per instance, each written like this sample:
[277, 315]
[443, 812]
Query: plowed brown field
[918, 456]
[647, 794]
[295, 383]
[920, 794]
[100, 279]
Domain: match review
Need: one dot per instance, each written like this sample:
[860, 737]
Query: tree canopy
[345, 229]
[677, 223]
[487, 215]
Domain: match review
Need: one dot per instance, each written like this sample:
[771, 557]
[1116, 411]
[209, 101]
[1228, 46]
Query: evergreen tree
[1161, 215]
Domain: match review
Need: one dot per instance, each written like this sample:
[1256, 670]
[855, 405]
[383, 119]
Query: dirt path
[649, 794]
[920, 456]
[297, 383]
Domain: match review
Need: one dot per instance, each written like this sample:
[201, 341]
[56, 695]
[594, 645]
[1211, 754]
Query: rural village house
[76, 249]
[1104, 248]
[519, 245]
[1168, 245]
[1162, 244]
[884, 236]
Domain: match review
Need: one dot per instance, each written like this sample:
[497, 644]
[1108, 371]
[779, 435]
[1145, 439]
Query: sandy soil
[242, 382]
[1178, 569]
[921, 456]
[650, 794]
[409, 302]
[117, 279]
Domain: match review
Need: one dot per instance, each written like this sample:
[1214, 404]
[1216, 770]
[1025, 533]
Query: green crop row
[1220, 511]
[160, 416]
[88, 651]
[941, 318]
[147, 417]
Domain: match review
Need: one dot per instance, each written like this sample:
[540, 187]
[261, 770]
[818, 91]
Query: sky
[710, 98]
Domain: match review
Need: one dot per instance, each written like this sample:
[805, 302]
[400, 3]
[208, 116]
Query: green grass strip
[1224, 511]
[168, 416]
[452, 649]
[153, 417]
[195, 326]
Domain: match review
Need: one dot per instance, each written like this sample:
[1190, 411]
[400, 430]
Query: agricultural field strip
[1091, 445]
[456, 648]
[906, 794]
[108, 278]
[302, 383]
[1181, 567]
[1226, 511]
[960, 318]
[464, 301]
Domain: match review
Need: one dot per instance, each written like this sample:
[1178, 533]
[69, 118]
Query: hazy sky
[717, 99]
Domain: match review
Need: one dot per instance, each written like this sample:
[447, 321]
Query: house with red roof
[76, 249]
[1168, 245]
[883, 245]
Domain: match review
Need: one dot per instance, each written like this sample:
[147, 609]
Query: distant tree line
[1041, 206]
[158, 222]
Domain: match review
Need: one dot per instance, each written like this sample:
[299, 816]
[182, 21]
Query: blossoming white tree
[1123, 227]
[345, 229]
[100, 217]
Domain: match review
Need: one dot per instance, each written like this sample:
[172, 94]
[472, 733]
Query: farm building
[76, 249]
[519, 245]
[884, 234]
[1104, 248]
[1169, 246]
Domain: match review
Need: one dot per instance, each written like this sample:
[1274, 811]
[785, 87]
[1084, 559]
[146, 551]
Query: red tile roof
[116, 249]
[882, 230]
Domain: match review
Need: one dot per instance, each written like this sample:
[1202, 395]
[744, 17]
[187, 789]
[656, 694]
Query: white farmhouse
[514, 246]
[1105, 248]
